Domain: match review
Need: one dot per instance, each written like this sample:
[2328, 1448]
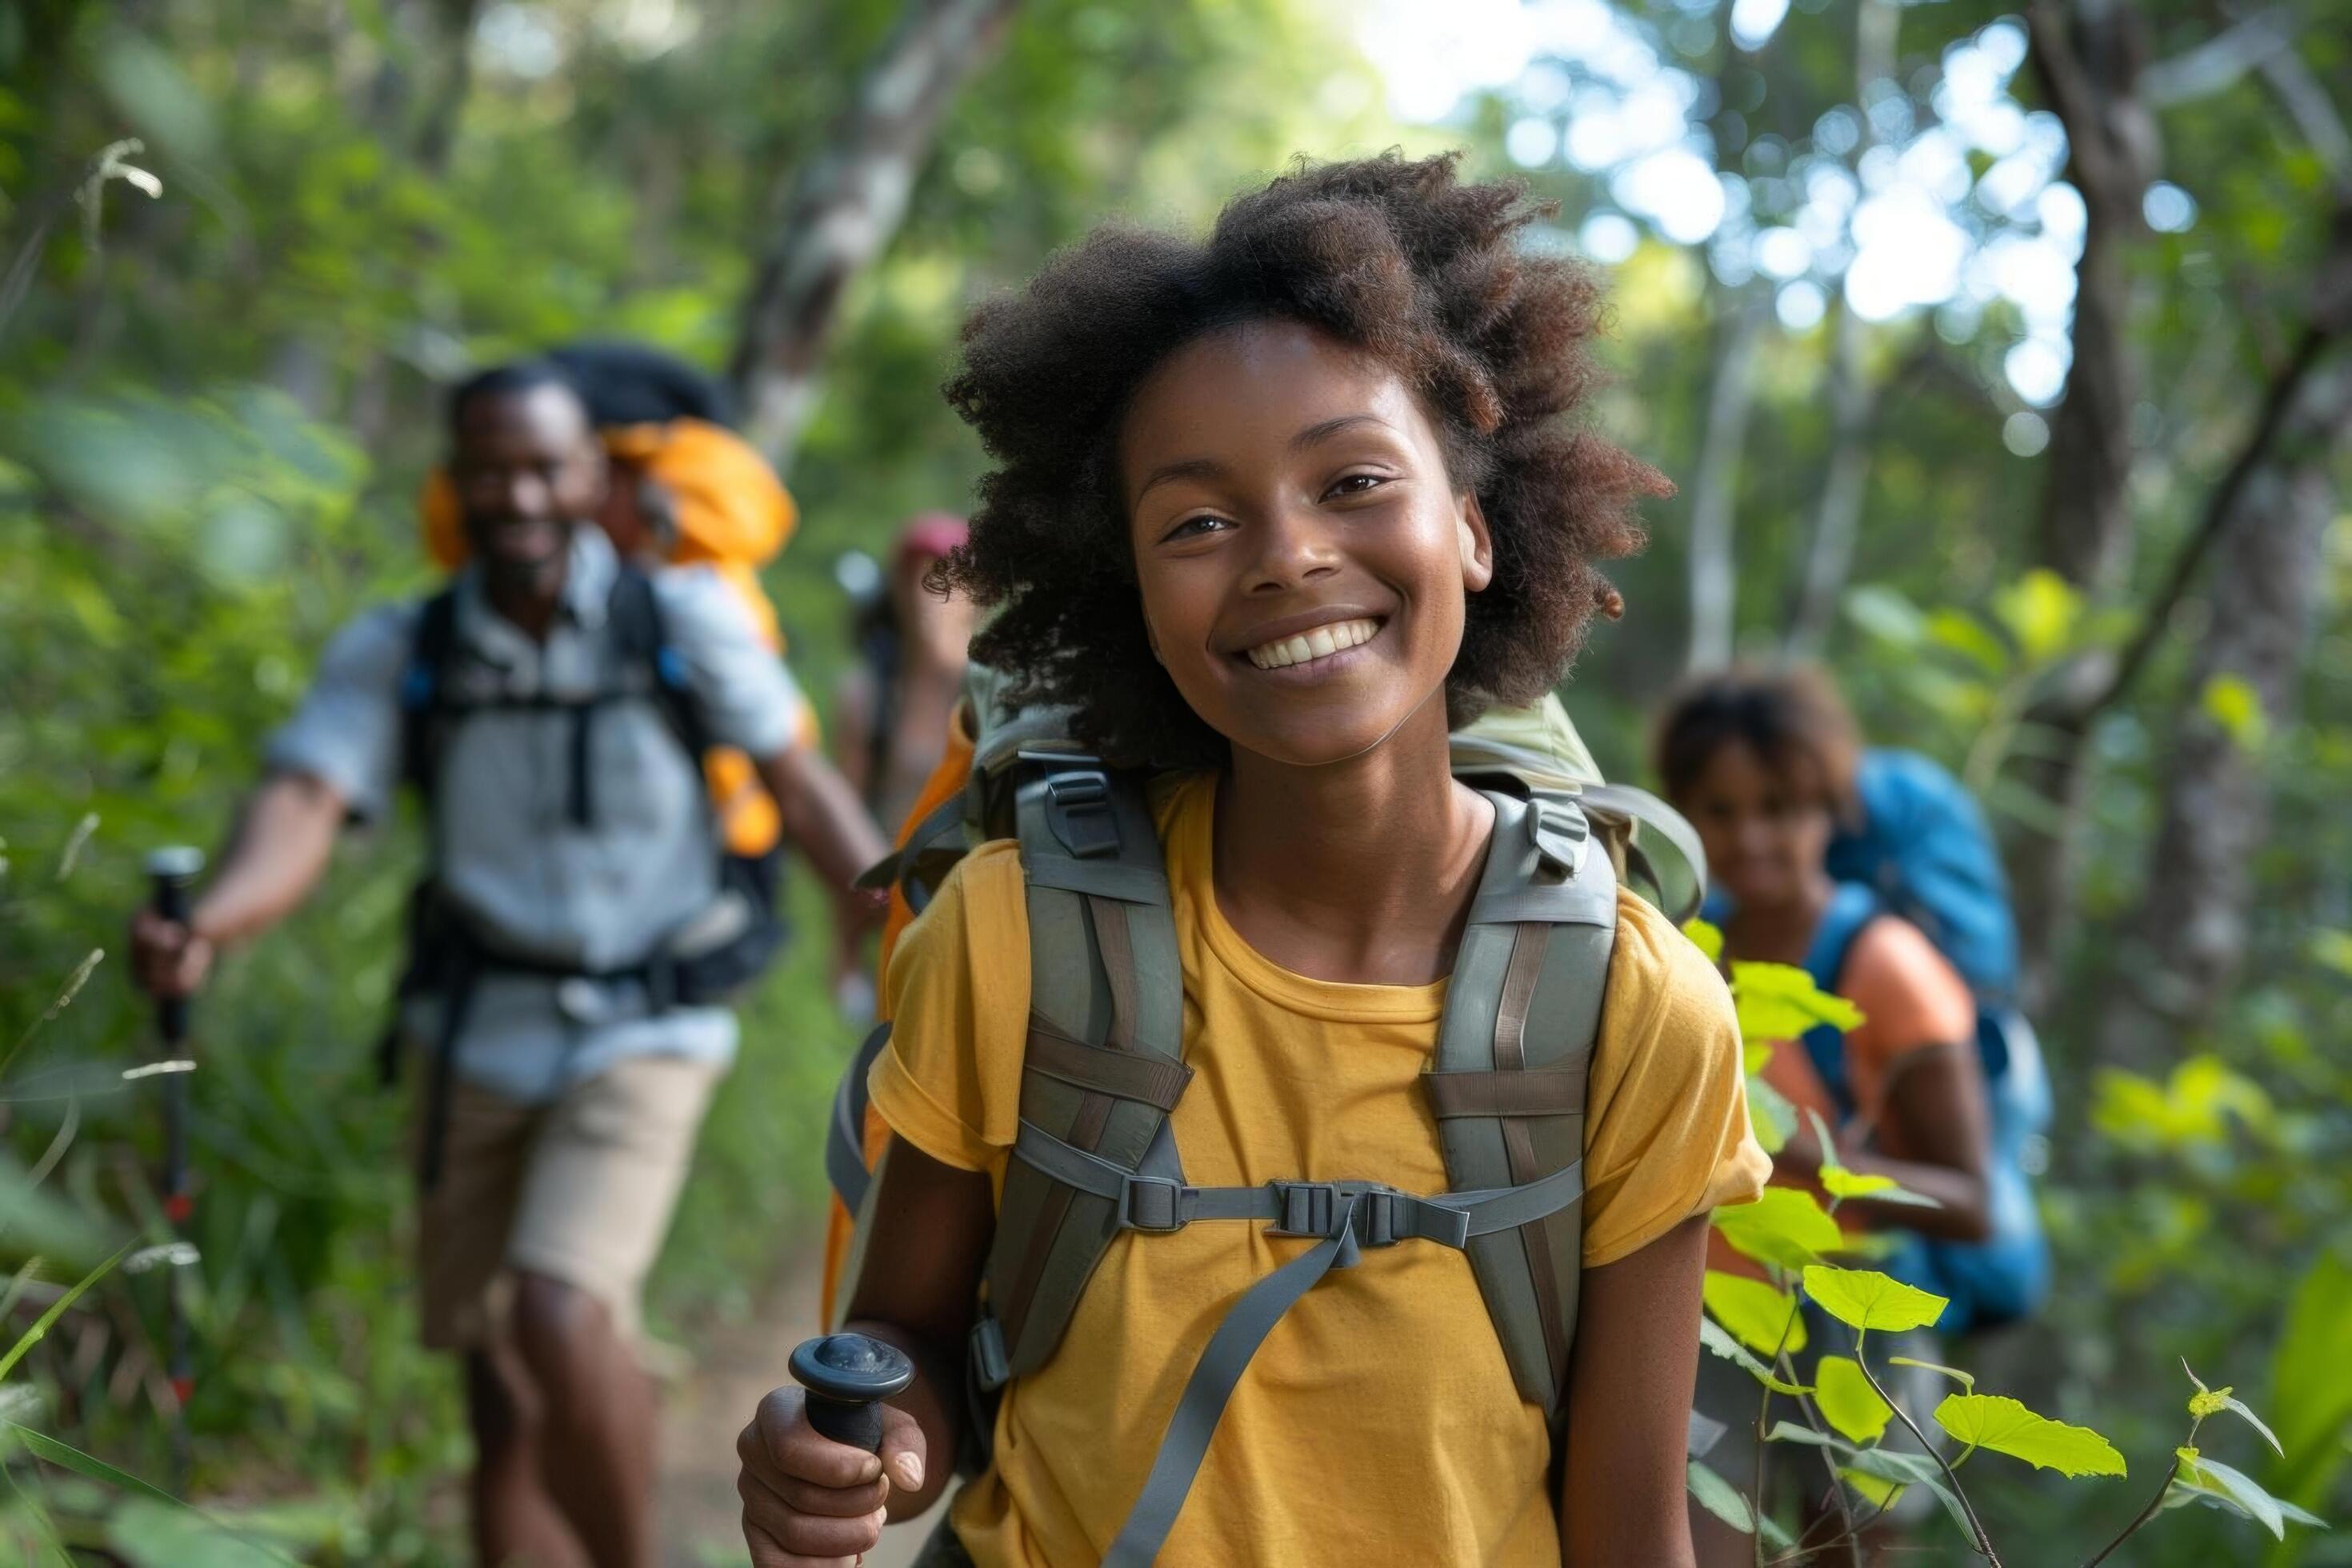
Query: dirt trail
[701, 1519]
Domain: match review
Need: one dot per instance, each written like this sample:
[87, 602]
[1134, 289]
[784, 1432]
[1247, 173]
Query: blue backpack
[1923, 851]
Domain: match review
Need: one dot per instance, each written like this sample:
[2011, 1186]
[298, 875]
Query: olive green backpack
[1105, 1064]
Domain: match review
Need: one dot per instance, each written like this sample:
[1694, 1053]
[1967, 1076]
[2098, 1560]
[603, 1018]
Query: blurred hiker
[574, 941]
[684, 490]
[894, 707]
[1765, 766]
[1269, 1083]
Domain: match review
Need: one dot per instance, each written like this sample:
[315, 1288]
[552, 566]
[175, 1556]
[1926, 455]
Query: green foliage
[1721, 1498]
[1848, 1403]
[1780, 1001]
[1760, 1315]
[2194, 1106]
[1997, 1422]
[1866, 1299]
[1786, 1227]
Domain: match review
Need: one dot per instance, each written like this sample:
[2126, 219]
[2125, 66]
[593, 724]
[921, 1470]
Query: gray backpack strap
[1105, 1064]
[1513, 1051]
[1663, 858]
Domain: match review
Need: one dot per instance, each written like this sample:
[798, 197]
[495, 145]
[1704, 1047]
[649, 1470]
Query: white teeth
[1320, 643]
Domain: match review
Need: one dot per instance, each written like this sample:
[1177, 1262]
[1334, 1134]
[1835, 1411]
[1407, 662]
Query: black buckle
[1077, 809]
[1310, 1209]
[1152, 1204]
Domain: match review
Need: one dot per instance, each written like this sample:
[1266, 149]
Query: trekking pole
[173, 871]
[847, 1376]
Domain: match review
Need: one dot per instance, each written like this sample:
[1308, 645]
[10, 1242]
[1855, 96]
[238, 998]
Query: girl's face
[1765, 831]
[1303, 558]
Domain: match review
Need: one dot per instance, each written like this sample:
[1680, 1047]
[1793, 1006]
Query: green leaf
[1714, 1337]
[1791, 1432]
[1886, 614]
[1967, 635]
[1997, 1422]
[1865, 1298]
[1780, 1002]
[1966, 1379]
[2311, 1378]
[1705, 937]
[196, 1536]
[1847, 1400]
[2040, 611]
[2221, 1483]
[1719, 1497]
[2234, 705]
[1877, 1490]
[1769, 1115]
[1915, 1470]
[2333, 949]
[1786, 1227]
[1761, 1316]
[57, 1309]
[2208, 1402]
[1841, 1182]
[148, 1532]
[2190, 1110]
[96, 1469]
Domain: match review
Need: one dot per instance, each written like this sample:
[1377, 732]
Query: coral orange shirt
[1912, 1000]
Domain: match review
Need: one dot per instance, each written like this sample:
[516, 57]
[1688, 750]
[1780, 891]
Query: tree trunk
[845, 205]
[1829, 558]
[2089, 64]
[2190, 933]
[1714, 492]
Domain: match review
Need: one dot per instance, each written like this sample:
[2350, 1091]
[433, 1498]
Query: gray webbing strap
[1674, 862]
[1298, 1208]
[1101, 879]
[1353, 1210]
[1215, 1376]
[845, 1133]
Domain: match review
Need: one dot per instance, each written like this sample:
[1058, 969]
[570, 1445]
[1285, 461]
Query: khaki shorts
[580, 1189]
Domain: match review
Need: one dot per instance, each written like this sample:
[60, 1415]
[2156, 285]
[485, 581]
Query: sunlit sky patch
[1881, 204]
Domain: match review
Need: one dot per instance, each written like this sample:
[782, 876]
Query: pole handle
[174, 872]
[848, 1377]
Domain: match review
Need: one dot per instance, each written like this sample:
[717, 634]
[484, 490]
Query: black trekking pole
[173, 871]
[847, 1376]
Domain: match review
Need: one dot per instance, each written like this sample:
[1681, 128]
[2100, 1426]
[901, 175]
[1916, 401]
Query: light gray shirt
[510, 859]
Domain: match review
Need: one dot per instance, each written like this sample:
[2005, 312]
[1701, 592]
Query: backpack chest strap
[1344, 1216]
[1376, 1214]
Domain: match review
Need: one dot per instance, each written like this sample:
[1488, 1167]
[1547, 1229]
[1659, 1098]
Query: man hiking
[575, 935]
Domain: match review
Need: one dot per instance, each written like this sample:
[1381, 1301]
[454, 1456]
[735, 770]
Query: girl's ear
[1151, 634]
[1476, 545]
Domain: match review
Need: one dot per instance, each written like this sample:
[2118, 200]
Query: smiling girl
[1272, 513]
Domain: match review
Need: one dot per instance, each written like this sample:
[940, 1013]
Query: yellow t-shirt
[1378, 1421]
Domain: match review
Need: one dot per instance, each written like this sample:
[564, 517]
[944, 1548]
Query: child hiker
[1199, 1211]
[1763, 763]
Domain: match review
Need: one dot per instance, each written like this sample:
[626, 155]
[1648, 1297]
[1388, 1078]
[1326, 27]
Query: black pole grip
[848, 1377]
[173, 871]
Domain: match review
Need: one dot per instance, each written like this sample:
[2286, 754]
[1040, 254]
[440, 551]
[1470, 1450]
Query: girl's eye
[1356, 484]
[1195, 526]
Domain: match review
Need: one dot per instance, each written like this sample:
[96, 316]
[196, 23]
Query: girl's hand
[811, 1502]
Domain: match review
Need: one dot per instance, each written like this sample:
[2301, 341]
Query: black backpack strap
[424, 692]
[641, 640]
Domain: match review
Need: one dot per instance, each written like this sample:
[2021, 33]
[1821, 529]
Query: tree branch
[847, 202]
[2328, 322]
[2218, 63]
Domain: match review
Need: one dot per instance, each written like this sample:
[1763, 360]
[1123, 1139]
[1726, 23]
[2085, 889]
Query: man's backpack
[1104, 1064]
[719, 952]
[1921, 849]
